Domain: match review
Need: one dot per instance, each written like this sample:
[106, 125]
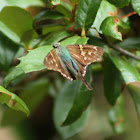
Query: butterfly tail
[80, 76]
[85, 82]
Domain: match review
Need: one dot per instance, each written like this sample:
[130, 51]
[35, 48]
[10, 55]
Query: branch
[119, 49]
[123, 51]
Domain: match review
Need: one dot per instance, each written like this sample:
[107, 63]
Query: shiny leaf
[86, 13]
[119, 3]
[112, 81]
[130, 43]
[136, 5]
[106, 9]
[13, 101]
[63, 104]
[81, 101]
[15, 27]
[8, 51]
[109, 28]
[12, 75]
[33, 94]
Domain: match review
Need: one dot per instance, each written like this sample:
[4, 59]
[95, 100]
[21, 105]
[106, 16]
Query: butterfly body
[71, 61]
[67, 59]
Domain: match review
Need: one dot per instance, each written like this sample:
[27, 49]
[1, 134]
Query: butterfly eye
[56, 44]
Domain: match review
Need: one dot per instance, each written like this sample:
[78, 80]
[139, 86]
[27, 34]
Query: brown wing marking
[85, 54]
[53, 62]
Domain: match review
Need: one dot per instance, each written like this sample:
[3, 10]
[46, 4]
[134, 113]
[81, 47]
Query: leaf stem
[119, 49]
[124, 51]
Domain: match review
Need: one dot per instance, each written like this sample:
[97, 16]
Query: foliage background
[34, 101]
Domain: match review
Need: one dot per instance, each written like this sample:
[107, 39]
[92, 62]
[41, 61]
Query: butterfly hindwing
[85, 54]
[81, 67]
[53, 62]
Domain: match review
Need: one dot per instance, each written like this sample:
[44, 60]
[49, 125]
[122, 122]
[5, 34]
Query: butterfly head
[56, 44]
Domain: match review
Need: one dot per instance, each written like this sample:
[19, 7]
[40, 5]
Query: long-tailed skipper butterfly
[71, 61]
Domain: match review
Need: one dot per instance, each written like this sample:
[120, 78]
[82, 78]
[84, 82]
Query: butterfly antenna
[85, 82]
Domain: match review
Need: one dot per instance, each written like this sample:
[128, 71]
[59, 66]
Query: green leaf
[106, 9]
[119, 3]
[128, 72]
[134, 88]
[109, 28]
[25, 4]
[57, 37]
[33, 94]
[28, 37]
[13, 101]
[33, 61]
[8, 51]
[112, 81]
[86, 13]
[65, 9]
[131, 78]
[130, 43]
[48, 14]
[123, 27]
[74, 40]
[81, 101]
[136, 5]
[51, 3]
[52, 28]
[3, 3]
[12, 22]
[12, 75]
[62, 106]
[116, 116]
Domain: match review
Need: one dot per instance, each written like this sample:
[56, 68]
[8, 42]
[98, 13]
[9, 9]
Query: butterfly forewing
[85, 54]
[53, 62]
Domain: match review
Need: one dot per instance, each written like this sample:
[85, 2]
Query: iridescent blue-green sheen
[66, 57]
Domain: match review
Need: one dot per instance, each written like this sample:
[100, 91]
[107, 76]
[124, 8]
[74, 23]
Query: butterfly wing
[85, 54]
[53, 62]
[79, 73]
[81, 67]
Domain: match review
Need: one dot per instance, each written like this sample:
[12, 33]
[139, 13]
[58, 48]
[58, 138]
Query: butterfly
[71, 61]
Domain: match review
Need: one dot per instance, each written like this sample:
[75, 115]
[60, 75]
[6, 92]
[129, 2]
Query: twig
[124, 51]
[119, 49]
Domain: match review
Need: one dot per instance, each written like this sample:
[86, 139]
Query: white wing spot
[85, 58]
[95, 48]
[89, 53]
[63, 74]
[81, 49]
[84, 72]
